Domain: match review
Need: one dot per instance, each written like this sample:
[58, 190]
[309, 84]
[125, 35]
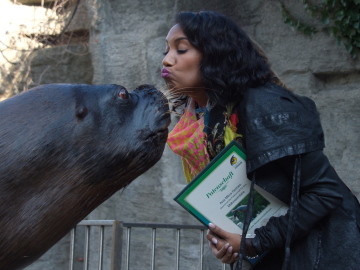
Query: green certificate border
[232, 147]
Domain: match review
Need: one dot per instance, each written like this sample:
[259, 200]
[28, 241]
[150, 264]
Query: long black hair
[231, 62]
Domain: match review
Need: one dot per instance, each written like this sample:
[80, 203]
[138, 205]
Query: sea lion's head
[127, 131]
[66, 148]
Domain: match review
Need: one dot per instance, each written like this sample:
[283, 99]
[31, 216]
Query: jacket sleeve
[320, 193]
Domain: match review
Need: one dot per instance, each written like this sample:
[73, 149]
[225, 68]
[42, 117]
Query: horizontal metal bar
[141, 225]
[165, 226]
[96, 223]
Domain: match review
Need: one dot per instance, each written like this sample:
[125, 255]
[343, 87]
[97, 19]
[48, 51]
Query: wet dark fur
[65, 149]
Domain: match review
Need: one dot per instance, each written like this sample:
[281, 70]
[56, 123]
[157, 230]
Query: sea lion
[65, 149]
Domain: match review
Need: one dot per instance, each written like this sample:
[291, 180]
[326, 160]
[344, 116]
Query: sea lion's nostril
[81, 112]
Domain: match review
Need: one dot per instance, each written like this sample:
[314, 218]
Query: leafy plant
[341, 19]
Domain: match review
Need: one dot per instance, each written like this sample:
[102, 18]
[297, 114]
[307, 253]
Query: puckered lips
[165, 73]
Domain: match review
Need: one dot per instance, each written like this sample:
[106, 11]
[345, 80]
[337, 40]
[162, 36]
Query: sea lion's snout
[156, 110]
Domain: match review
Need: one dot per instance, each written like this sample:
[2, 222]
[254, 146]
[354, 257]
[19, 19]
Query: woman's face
[181, 66]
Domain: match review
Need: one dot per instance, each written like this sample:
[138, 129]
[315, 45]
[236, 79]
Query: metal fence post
[117, 242]
[177, 249]
[101, 248]
[153, 240]
[201, 249]
[116, 245]
[72, 248]
[87, 247]
[128, 236]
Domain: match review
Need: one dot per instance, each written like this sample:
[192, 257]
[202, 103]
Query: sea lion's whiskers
[177, 96]
[167, 112]
[162, 99]
[177, 90]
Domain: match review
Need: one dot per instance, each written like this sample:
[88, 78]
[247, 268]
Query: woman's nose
[168, 60]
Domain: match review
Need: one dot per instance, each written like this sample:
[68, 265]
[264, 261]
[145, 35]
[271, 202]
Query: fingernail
[211, 226]
[214, 240]
[236, 254]
[227, 245]
[230, 249]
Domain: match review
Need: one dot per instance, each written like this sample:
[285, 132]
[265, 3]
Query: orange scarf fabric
[188, 140]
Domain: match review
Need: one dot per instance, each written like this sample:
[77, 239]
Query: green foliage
[341, 19]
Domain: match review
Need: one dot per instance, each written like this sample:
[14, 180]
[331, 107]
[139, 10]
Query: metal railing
[116, 246]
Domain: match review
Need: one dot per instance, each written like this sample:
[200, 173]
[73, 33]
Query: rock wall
[127, 39]
[28, 57]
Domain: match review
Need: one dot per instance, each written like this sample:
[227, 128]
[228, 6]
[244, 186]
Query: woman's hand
[224, 245]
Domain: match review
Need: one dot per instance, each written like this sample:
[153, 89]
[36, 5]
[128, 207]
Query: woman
[230, 92]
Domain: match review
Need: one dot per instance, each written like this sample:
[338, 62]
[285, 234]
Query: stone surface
[62, 64]
[80, 20]
[24, 31]
[340, 114]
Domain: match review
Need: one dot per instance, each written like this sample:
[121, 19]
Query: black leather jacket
[280, 126]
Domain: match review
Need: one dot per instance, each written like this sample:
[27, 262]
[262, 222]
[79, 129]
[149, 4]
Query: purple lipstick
[165, 73]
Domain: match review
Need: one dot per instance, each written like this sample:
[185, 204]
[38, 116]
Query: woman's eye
[181, 51]
[178, 51]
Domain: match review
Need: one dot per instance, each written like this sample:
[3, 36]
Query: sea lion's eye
[123, 93]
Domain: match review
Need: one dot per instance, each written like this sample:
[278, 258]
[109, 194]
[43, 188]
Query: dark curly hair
[231, 62]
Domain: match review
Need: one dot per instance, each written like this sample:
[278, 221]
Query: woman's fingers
[212, 247]
[215, 250]
[217, 230]
[223, 236]
[210, 235]
[224, 245]
[225, 254]
[230, 256]
[220, 253]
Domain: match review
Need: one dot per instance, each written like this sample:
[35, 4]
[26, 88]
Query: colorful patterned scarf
[187, 139]
[199, 137]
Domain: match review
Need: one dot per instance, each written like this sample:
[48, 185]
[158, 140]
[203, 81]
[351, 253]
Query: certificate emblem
[233, 160]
